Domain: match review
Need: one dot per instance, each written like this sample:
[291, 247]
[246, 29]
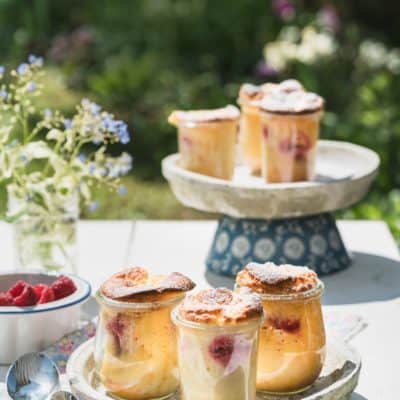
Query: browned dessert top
[270, 278]
[291, 102]
[137, 285]
[198, 116]
[249, 92]
[220, 306]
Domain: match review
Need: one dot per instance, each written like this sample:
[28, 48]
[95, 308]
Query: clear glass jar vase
[45, 240]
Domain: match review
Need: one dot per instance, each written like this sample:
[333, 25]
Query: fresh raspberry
[116, 327]
[47, 296]
[63, 287]
[221, 349]
[17, 289]
[285, 324]
[6, 299]
[39, 288]
[26, 298]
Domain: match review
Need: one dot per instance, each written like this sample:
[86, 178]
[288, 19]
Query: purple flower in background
[263, 70]
[284, 9]
[22, 69]
[2, 69]
[3, 94]
[31, 86]
[328, 18]
[82, 158]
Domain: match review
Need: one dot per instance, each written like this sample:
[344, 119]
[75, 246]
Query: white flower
[373, 53]
[393, 61]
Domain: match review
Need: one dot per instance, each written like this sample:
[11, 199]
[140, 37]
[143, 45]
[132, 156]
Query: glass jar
[250, 137]
[289, 143]
[217, 362]
[208, 148]
[135, 348]
[292, 341]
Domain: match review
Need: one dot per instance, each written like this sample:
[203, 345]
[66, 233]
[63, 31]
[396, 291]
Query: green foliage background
[144, 58]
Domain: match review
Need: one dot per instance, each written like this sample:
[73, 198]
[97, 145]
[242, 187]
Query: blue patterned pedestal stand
[313, 241]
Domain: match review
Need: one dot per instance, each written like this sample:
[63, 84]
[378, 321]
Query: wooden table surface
[369, 288]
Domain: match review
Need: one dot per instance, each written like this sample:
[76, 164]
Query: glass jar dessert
[207, 140]
[250, 136]
[135, 347]
[292, 338]
[217, 344]
[291, 122]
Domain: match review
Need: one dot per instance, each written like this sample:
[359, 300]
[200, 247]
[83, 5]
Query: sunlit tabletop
[369, 288]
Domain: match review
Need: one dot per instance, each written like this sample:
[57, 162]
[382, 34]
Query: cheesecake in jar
[207, 140]
[292, 337]
[135, 347]
[291, 125]
[250, 134]
[217, 344]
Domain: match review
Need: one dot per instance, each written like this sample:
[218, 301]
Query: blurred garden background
[143, 58]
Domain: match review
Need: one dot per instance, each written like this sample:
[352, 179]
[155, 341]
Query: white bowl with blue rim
[29, 329]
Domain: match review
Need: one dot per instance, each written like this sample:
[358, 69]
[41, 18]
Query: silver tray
[338, 379]
[344, 173]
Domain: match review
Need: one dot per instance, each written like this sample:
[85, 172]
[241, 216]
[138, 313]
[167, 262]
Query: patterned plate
[344, 173]
[338, 379]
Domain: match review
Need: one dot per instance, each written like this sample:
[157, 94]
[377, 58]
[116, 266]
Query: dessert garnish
[197, 116]
[23, 294]
[270, 278]
[136, 284]
[291, 102]
[220, 306]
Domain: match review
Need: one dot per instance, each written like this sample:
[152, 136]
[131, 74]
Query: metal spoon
[62, 395]
[33, 377]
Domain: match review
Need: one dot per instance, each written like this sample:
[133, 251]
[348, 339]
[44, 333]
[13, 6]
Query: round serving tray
[344, 173]
[338, 379]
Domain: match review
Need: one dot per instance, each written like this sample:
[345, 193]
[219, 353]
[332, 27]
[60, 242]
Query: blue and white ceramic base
[313, 241]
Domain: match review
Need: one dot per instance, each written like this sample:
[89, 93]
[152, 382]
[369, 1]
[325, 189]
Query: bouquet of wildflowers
[51, 163]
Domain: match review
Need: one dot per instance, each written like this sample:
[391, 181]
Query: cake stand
[285, 222]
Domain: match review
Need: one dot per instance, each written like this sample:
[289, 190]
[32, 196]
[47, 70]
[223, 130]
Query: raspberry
[26, 298]
[221, 349]
[39, 288]
[46, 296]
[285, 324]
[298, 145]
[6, 299]
[63, 287]
[17, 289]
[116, 327]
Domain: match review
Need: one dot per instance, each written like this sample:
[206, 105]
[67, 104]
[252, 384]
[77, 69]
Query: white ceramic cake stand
[281, 222]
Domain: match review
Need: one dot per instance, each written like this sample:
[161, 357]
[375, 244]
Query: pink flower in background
[284, 9]
[328, 17]
[263, 70]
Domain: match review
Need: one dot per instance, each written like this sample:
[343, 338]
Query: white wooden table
[370, 287]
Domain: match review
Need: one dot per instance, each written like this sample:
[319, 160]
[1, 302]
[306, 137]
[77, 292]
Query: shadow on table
[369, 278]
[356, 396]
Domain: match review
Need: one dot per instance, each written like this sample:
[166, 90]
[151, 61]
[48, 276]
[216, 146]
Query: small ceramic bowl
[29, 329]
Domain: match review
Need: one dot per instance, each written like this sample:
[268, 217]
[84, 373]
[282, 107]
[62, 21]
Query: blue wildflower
[31, 86]
[34, 60]
[82, 157]
[94, 108]
[22, 69]
[93, 206]
[24, 158]
[67, 123]
[3, 94]
[122, 190]
[2, 69]
[92, 168]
